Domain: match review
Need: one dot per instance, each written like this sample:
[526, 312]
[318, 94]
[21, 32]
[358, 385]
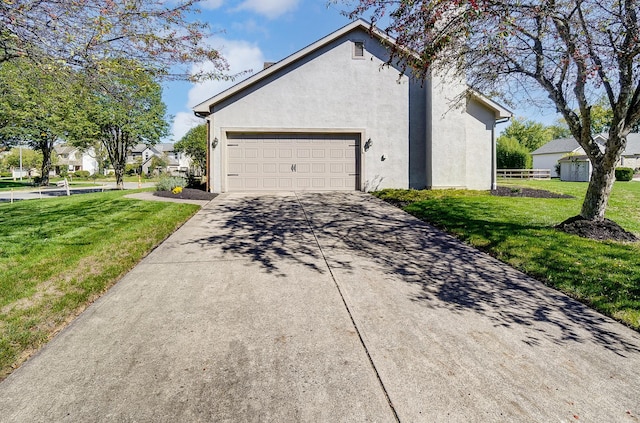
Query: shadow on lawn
[451, 275]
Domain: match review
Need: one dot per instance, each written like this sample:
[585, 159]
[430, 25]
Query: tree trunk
[119, 171]
[46, 164]
[597, 197]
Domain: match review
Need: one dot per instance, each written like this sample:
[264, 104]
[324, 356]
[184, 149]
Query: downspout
[494, 154]
[207, 118]
[208, 165]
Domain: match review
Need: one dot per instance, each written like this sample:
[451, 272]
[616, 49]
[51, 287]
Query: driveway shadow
[277, 231]
[455, 276]
[269, 229]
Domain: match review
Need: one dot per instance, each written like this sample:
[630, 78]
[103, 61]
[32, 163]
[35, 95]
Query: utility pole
[20, 145]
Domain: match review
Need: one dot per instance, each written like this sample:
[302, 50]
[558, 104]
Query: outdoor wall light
[214, 143]
[367, 144]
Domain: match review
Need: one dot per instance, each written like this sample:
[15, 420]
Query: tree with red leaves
[156, 34]
[575, 51]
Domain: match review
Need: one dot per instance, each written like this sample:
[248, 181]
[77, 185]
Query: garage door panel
[265, 161]
[269, 168]
[236, 167]
[303, 168]
[285, 153]
[269, 153]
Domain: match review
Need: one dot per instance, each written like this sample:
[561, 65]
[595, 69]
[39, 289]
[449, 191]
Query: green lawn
[519, 231]
[58, 255]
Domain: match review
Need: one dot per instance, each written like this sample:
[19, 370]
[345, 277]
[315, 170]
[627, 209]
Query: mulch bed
[601, 230]
[187, 194]
[526, 192]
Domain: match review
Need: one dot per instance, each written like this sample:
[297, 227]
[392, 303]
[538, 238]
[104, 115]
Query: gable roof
[64, 148]
[204, 108]
[560, 145]
[568, 145]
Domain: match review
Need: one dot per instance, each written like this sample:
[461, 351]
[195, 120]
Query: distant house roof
[138, 148]
[560, 145]
[63, 148]
[577, 158]
[568, 145]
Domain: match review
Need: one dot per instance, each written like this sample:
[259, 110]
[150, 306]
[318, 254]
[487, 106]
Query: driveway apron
[327, 307]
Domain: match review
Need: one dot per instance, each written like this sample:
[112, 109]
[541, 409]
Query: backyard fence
[525, 173]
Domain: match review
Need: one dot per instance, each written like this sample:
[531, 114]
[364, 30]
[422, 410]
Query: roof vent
[268, 65]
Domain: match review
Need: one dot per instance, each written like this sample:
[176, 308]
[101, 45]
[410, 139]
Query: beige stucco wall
[460, 136]
[331, 91]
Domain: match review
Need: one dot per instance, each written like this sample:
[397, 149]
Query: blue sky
[251, 32]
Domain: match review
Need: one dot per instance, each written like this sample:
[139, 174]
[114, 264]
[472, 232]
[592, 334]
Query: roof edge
[204, 108]
[501, 111]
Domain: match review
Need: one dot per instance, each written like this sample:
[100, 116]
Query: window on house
[358, 49]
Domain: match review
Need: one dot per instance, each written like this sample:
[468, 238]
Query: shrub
[81, 173]
[176, 190]
[131, 169]
[169, 183]
[64, 172]
[511, 155]
[624, 174]
[194, 182]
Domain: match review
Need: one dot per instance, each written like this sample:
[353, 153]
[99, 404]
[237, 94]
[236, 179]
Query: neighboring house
[547, 156]
[72, 159]
[631, 155]
[177, 163]
[333, 117]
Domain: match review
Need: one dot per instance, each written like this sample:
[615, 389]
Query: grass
[519, 231]
[58, 255]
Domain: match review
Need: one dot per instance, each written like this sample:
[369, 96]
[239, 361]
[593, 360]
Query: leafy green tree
[31, 159]
[510, 154]
[531, 135]
[121, 109]
[194, 145]
[574, 51]
[158, 164]
[37, 105]
[559, 130]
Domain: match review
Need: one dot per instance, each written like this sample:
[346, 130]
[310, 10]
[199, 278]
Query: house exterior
[142, 154]
[72, 159]
[333, 117]
[550, 154]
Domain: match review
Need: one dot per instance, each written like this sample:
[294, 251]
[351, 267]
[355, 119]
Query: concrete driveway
[332, 308]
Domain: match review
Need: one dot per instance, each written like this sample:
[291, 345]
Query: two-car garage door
[270, 161]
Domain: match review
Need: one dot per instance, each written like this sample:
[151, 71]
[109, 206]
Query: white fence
[525, 173]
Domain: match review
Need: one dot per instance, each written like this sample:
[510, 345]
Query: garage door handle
[232, 174]
[294, 168]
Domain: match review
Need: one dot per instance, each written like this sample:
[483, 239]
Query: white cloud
[270, 8]
[241, 56]
[211, 4]
[182, 122]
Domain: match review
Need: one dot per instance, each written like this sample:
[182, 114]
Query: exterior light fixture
[367, 145]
